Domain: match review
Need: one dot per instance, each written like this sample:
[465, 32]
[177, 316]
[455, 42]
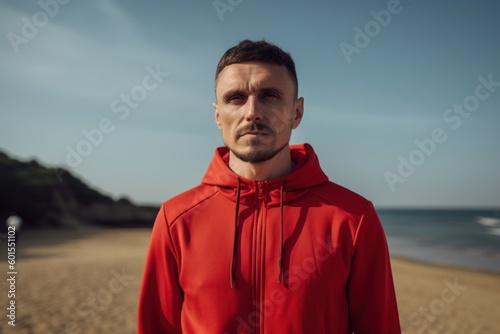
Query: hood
[306, 174]
[277, 192]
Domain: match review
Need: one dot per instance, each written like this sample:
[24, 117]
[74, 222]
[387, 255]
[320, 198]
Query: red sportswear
[298, 254]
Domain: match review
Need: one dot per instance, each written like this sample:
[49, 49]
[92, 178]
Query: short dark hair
[259, 51]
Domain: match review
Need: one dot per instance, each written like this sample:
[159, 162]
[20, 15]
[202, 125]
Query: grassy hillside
[41, 198]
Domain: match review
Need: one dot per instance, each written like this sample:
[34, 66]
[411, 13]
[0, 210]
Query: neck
[280, 165]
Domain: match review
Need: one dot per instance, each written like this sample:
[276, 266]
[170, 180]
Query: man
[266, 244]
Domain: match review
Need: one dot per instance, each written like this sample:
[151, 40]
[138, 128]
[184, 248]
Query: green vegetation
[42, 199]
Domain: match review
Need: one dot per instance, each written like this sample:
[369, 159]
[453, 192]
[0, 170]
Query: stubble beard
[257, 154]
[257, 151]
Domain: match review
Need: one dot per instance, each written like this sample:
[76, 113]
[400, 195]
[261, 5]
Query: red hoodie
[298, 254]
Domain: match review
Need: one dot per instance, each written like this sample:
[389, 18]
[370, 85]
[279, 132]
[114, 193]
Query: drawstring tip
[232, 284]
[280, 273]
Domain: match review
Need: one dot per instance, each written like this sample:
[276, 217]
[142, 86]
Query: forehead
[253, 76]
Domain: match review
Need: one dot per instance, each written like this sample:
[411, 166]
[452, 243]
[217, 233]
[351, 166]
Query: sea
[462, 238]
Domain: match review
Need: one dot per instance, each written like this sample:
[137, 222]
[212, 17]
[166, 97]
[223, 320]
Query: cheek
[225, 122]
[282, 123]
[229, 118]
[227, 125]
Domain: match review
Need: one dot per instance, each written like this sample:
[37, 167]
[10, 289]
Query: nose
[253, 111]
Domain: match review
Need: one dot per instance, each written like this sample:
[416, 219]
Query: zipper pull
[261, 190]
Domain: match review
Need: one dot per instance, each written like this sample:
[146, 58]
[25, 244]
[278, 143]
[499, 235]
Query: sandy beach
[87, 281]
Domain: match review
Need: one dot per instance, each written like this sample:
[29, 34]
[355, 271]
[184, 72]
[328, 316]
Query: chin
[256, 153]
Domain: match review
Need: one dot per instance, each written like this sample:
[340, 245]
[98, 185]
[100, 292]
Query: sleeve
[370, 287]
[160, 300]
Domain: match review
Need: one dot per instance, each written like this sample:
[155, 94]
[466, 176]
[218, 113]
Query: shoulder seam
[191, 207]
[313, 190]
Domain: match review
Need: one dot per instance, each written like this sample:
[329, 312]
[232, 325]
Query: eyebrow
[271, 90]
[260, 91]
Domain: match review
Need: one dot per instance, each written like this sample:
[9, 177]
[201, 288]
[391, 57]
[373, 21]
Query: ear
[298, 112]
[216, 115]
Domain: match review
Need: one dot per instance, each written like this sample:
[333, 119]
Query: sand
[87, 281]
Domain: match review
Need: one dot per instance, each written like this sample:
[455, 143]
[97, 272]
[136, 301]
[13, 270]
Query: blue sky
[369, 95]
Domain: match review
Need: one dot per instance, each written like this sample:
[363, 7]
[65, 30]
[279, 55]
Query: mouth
[254, 133]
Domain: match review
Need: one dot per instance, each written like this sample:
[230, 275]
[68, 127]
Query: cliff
[45, 197]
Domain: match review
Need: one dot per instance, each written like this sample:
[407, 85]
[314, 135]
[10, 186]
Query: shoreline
[83, 231]
[443, 255]
[444, 265]
[64, 277]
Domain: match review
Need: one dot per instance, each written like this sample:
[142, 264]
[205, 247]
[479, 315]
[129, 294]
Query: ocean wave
[494, 231]
[488, 221]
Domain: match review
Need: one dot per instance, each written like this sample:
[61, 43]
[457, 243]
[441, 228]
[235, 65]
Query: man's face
[256, 109]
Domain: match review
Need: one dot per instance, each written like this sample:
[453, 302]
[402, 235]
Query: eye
[270, 95]
[237, 98]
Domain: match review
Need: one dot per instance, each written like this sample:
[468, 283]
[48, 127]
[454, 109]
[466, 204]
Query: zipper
[261, 196]
[260, 252]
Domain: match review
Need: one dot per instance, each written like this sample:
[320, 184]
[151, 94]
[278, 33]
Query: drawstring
[236, 214]
[280, 261]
